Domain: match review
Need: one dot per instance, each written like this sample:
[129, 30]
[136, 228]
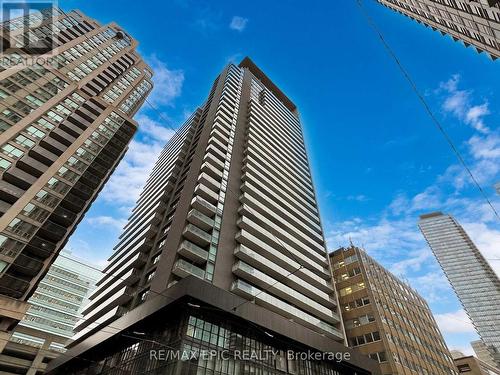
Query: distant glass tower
[53, 311]
[474, 281]
[474, 23]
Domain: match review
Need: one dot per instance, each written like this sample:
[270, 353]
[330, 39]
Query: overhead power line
[373, 25]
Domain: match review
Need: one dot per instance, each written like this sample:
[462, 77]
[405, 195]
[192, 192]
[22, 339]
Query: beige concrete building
[472, 366]
[387, 320]
[482, 352]
[475, 23]
[67, 101]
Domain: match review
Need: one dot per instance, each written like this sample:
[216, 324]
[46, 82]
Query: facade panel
[475, 23]
[387, 320]
[471, 277]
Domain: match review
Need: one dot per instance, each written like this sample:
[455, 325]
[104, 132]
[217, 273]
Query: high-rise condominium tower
[387, 320]
[474, 23]
[474, 281]
[223, 251]
[55, 307]
[65, 122]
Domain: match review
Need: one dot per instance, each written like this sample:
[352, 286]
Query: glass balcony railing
[203, 205]
[196, 235]
[193, 252]
[242, 288]
[183, 268]
[200, 220]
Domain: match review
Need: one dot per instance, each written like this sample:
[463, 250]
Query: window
[35, 132]
[12, 151]
[4, 164]
[23, 141]
[380, 356]
[463, 368]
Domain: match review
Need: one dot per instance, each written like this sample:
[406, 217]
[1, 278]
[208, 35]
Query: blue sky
[377, 159]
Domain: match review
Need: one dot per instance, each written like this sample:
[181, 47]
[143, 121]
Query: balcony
[52, 231]
[119, 298]
[208, 181]
[53, 146]
[200, 220]
[274, 304]
[183, 269]
[19, 178]
[40, 247]
[63, 217]
[12, 286]
[31, 166]
[90, 180]
[204, 192]
[83, 191]
[261, 279]
[43, 155]
[196, 235]
[203, 206]
[194, 253]
[10, 193]
[211, 171]
[26, 265]
[73, 203]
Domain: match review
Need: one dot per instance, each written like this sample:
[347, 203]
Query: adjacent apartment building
[224, 251]
[387, 320]
[54, 309]
[65, 123]
[475, 23]
[471, 365]
[472, 278]
[482, 353]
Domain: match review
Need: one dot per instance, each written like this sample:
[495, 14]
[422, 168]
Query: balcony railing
[197, 235]
[203, 206]
[12, 286]
[183, 268]
[191, 251]
[200, 220]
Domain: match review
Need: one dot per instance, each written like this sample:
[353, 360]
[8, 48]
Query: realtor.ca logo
[28, 27]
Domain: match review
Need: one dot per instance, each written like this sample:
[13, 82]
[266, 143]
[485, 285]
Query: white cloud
[474, 117]
[82, 249]
[238, 23]
[459, 103]
[454, 322]
[358, 198]
[100, 221]
[394, 239]
[126, 183]
[153, 129]
[167, 83]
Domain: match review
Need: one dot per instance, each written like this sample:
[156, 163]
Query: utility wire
[373, 25]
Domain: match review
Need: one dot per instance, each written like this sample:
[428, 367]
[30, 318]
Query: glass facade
[208, 344]
[472, 278]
